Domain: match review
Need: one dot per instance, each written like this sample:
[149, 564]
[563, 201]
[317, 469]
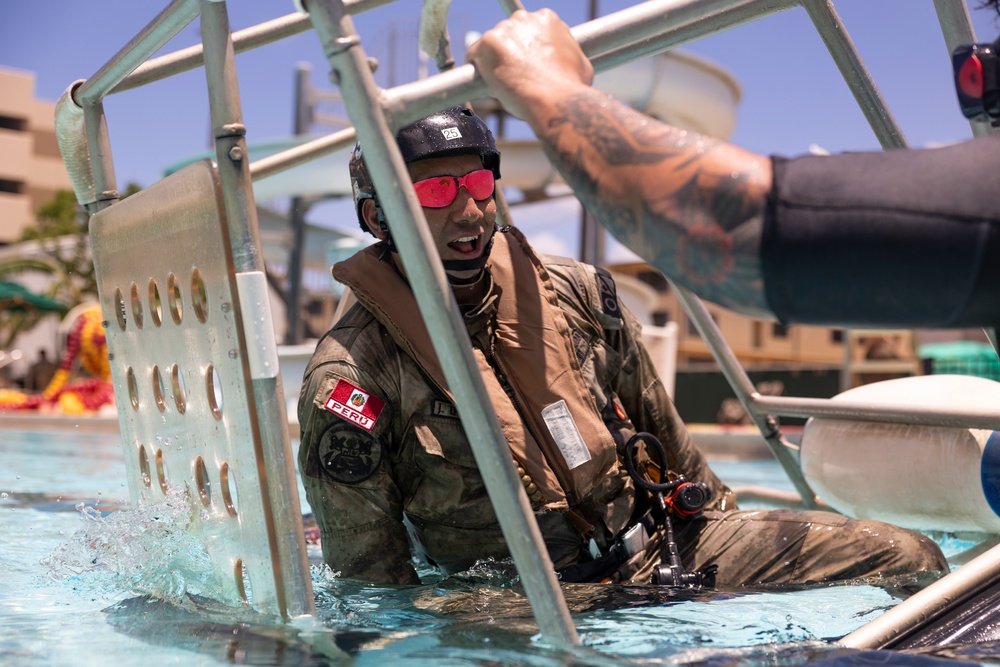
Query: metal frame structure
[190, 341]
[644, 29]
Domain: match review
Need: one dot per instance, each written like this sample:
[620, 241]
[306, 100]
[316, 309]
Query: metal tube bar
[692, 22]
[510, 6]
[230, 142]
[436, 301]
[956, 26]
[228, 132]
[956, 23]
[852, 68]
[656, 18]
[192, 57]
[243, 40]
[102, 166]
[925, 416]
[785, 453]
[928, 603]
[293, 157]
[410, 102]
[297, 215]
[282, 506]
[763, 494]
[159, 31]
[609, 41]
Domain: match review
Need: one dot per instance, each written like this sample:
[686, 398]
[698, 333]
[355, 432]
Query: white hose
[72, 137]
[434, 39]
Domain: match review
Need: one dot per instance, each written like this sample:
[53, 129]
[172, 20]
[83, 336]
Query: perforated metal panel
[183, 378]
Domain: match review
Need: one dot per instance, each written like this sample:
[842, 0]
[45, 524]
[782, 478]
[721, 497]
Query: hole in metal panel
[159, 390]
[133, 388]
[179, 389]
[243, 586]
[199, 298]
[155, 305]
[174, 303]
[136, 306]
[161, 470]
[227, 484]
[202, 481]
[213, 387]
[144, 467]
[120, 308]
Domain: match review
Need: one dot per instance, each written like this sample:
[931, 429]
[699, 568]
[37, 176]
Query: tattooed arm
[689, 205]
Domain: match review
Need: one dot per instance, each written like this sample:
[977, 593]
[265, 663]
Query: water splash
[142, 551]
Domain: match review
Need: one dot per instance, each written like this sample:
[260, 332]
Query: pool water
[88, 580]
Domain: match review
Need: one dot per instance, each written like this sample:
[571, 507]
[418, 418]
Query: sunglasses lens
[441, 191]
[436, 192]
[479, 183]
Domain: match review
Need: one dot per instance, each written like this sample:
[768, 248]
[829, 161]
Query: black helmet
[454, 131]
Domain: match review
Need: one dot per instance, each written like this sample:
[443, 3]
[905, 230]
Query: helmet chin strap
[455, 281]
[449, 264]
[469, 264]
[389, 244]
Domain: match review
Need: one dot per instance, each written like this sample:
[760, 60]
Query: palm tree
[15, 320]
[62, 233]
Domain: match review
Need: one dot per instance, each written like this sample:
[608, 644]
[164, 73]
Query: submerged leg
[795, 547]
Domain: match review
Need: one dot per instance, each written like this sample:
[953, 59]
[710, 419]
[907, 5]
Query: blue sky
[793, 95]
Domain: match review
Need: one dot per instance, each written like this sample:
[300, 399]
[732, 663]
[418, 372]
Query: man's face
[462, 229]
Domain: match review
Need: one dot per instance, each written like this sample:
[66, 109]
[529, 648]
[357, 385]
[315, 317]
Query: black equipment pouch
[629, 542]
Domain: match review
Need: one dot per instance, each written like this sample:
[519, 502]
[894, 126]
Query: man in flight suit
[385, 462]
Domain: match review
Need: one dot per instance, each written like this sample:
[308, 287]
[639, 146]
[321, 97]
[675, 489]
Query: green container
[962, 357]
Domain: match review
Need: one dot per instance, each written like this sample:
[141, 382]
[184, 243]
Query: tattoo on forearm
[615, 143]
[698, 226]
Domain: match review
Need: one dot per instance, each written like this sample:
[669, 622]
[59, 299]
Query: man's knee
[864, 548]
[794, 546]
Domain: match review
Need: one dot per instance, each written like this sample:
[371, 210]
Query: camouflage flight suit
[381, 441]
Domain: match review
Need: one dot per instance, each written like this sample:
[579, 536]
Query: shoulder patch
[347, 455]
[354, 404]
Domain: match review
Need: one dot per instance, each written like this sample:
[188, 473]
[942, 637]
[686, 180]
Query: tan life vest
[555, 431]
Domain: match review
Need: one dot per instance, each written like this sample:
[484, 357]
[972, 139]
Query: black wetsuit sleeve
[901, 238]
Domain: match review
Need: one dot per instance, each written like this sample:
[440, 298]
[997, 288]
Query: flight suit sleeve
[650, 409]
[344, 457]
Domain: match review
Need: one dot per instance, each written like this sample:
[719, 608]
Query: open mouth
[466, 245]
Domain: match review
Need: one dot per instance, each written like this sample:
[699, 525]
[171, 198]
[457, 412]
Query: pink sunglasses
[441, 191]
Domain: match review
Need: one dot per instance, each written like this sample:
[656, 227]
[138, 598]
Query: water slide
[681, 88]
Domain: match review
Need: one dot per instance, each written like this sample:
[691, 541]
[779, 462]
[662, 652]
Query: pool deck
[727, 442]
[57, 423]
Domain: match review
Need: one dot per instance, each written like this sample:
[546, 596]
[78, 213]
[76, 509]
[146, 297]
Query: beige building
[755, 342]
[31, 168]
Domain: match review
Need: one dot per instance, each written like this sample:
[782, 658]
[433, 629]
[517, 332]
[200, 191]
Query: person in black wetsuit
[900, 238]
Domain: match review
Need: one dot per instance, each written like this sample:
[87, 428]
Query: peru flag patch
[355, 404]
